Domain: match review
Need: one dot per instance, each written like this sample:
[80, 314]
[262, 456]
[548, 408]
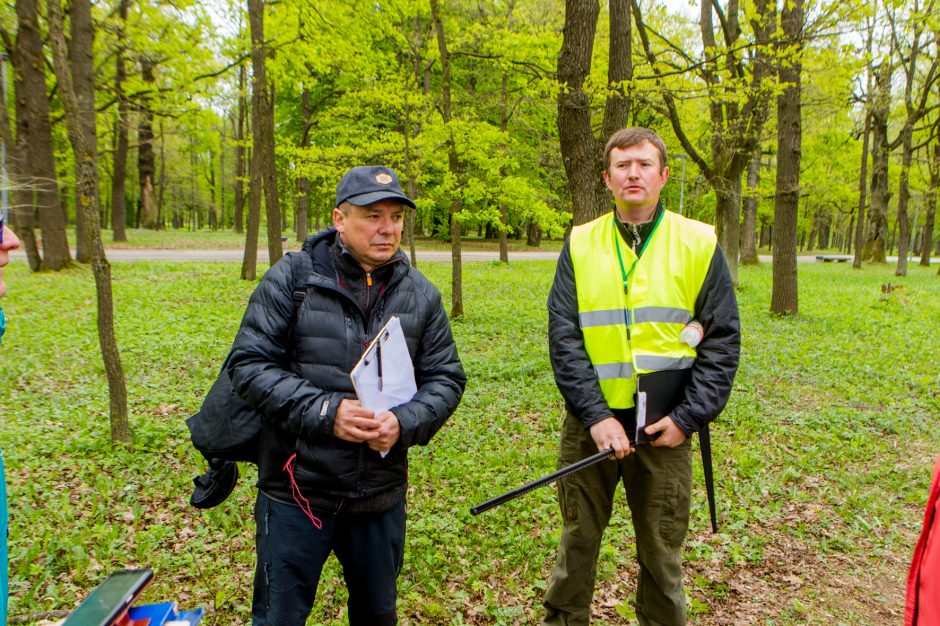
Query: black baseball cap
[366, 184]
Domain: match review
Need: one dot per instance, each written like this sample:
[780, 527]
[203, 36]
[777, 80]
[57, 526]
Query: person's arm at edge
[718, 353]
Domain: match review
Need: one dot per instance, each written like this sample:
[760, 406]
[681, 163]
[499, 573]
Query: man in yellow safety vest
[640, 294]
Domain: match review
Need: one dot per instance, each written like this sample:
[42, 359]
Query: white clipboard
[384, 377]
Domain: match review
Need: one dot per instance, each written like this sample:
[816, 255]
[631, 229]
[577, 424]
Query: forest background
[795, 126]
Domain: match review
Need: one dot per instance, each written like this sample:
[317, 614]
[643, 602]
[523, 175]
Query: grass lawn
[205, 239]
[823, 455]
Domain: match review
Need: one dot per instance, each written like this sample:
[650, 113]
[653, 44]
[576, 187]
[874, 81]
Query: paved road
[235, 256]
[148, 254]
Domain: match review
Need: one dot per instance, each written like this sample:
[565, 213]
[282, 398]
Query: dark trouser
[658, 484]
[291, 553]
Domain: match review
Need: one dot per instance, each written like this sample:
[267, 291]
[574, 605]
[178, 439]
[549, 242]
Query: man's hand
[354, 422]
[609, 433]
[388, 432]
[671, 435]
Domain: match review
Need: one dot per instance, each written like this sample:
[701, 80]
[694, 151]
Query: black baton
[524, 489]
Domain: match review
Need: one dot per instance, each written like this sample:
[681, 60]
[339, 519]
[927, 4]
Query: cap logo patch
[383, 178]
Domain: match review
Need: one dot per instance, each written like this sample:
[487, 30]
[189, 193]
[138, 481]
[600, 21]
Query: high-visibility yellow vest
[632, 333]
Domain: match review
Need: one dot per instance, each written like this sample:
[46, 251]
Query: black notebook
[657, 394]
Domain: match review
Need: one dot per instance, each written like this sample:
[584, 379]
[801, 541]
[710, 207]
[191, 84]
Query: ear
[339, 220]
[665, 175]
[607, 178]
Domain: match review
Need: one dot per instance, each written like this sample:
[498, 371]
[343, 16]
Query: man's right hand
[609, 433]
[354, 422]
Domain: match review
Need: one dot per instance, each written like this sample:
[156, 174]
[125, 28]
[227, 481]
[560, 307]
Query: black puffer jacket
[296, 374]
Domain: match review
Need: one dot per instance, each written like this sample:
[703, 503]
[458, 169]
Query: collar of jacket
[644, 229]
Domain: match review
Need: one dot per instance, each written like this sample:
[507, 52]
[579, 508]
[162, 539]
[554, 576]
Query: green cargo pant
[658, 483]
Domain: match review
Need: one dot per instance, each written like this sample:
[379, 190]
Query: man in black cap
[332, 474]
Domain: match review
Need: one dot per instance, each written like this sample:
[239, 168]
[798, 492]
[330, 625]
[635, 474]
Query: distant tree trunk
[262, 126]
[866, 135]
[873, 249]
[930, 200]
[783, 299]
[146, 166]
[503, 126]
[534, 235]
[119, 175]
[412, 188]
[749, 236]
[213, 217]
[240, 153]
[83, 78]
[904, 194]
[161, 180]
[303, 182]
[87, 191]
[21, 219]
[456, 267]
[35, 144]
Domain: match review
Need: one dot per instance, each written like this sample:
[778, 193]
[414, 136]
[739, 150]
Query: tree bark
[36, 145]
[784, 299]
[303, 183]
[930, 201]
[83, 80]
[87, 192]
[749, 234]
[873, 250]
[240, 153]
[619, 69]
[262, 126]
[581, 152]
[456, 309]
[146, 164]
[119, 175]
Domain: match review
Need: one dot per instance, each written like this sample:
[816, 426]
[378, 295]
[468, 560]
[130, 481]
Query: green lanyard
[626, 274]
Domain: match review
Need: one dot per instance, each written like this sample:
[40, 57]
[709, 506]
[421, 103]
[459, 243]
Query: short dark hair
[626, 137]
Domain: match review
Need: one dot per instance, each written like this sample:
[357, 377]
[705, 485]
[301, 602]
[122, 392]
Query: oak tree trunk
[456, 309]
[35, 143]
[83, 145]
[262, 126]
[119, 175]
[783, 299]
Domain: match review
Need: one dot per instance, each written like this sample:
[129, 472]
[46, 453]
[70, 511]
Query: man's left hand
[389, 430]
[671, 435]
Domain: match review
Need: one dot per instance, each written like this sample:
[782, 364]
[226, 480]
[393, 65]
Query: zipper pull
[369, 279]
[636, 237]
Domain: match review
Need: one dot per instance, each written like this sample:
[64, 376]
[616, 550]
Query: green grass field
[823, 454]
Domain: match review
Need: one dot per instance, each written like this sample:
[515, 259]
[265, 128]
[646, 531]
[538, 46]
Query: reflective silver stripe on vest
[608, 317]
[614, 370]
[663, 314]
[656, 363]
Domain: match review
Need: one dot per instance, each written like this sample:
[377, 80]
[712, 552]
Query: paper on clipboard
[385, 377]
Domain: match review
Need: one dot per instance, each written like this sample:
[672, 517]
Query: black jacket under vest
[296, 373]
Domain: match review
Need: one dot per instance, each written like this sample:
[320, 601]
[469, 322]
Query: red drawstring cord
[299, 498]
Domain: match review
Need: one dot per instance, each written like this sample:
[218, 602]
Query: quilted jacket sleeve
[438, 373]
[259, 365]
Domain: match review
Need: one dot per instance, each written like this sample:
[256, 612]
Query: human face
[8, 241]
[373, 232]
[635, 178]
